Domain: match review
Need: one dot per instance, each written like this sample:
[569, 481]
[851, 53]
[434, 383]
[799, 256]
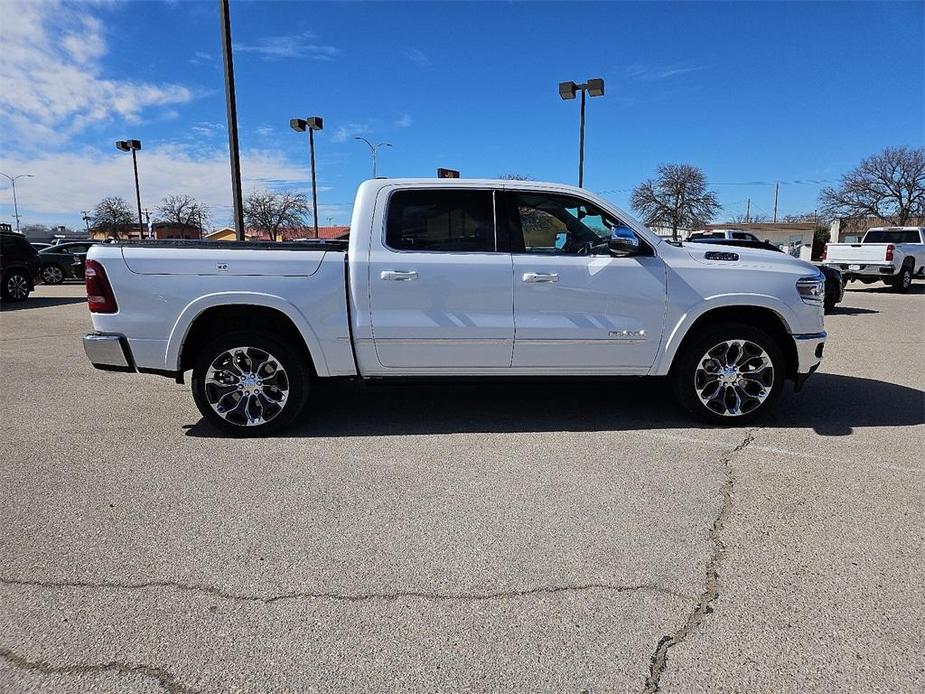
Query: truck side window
[441, 220]
[560, 225]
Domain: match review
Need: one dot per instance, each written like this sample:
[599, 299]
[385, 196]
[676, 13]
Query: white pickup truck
[889, 254]
[480, 278]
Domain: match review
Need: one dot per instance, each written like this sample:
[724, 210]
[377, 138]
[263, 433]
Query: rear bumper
[809, 356]
[862, 269]
[108, 351]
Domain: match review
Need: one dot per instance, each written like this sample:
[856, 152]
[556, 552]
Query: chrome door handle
[398, 275]
[541, 277]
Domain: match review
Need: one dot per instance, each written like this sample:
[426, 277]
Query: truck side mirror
[623, 246]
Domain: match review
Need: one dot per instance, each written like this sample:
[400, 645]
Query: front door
[441, 294]
[577, 309]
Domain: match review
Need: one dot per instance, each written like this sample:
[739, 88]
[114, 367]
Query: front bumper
[108, 351]
[809, 356]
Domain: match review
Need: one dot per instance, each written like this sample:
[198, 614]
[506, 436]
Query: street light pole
[568, 90]
[12, 180]
[311, 124]
[373, 149]
[133, 146]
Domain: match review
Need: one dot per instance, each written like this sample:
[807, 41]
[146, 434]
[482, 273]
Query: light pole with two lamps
[567, 90]
[12, 180]
[311, 124]
[133, 146]
[373, 149]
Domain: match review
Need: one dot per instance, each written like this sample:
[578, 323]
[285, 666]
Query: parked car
[894, 255]
[64, 261]
[834, 281]
[19, 266]
[445, 278]
[732, 234]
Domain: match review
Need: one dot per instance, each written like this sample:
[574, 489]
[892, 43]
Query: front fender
[195, 308]
[679, 325]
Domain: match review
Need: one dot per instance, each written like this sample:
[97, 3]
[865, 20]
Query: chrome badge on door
[628, 334]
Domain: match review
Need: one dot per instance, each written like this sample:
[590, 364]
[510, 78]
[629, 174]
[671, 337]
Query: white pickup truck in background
[440, 278]
[894, 255]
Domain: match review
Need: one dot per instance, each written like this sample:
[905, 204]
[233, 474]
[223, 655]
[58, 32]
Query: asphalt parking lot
[536, 537]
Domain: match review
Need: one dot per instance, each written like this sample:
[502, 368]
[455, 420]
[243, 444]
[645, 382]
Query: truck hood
[754, 258]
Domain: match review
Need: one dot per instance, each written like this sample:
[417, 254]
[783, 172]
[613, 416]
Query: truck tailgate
[856, 252]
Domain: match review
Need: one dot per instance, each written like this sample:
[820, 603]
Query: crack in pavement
[166, 679]
[658, 662]
[347, 597]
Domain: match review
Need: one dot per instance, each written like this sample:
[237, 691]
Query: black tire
[755, 398]
[903, 281]
[831, 291]
[294, 381]
[16, 285]
[52, 274]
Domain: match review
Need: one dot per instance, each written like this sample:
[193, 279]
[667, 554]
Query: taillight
[889, 251]
[100, 298]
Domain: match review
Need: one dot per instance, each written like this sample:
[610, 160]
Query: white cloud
[417, 56]
[640, 71]
[53, 83]
[351, 130]
[289, 46]
[65, 183]
[405, 121]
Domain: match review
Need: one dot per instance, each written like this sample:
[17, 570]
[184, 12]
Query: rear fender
[193, 310]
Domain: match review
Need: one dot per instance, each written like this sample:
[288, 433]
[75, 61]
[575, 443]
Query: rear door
[440, 288]
[577, 309]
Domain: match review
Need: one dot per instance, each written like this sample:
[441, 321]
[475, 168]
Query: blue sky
[751, 92]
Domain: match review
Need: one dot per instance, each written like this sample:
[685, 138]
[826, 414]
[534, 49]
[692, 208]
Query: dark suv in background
[19, 266]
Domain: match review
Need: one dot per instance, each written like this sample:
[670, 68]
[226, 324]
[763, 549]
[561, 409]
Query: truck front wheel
[729, 374]
[246, 384]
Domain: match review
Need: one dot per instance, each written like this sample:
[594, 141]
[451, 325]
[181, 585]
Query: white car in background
[894, 255]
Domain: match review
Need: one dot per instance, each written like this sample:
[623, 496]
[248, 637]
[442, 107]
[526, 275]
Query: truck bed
[307, 245]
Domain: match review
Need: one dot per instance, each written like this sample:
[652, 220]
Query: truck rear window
[441, 220]
[892, 236]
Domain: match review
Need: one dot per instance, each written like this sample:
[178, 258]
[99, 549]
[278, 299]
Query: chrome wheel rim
[734, 378]
[52, 275]
[17, 286]
[246, 386]
[907, 278]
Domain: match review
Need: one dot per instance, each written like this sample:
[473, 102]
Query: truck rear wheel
[729, 374]
[903, 281]
[247, 384]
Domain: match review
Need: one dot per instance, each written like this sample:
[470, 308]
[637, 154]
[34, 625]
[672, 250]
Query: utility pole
[232, 120]
[776, 187]
[748, 210]
[86, 218]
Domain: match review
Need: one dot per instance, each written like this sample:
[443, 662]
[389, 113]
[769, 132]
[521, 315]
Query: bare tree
[111, 215]
[183, 209]
[268, 211]
[676, 198]
[889, 185]
[512, 176]
[748, 218]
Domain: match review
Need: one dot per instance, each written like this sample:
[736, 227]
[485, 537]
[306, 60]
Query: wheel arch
[207, 317]
[760, 317]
